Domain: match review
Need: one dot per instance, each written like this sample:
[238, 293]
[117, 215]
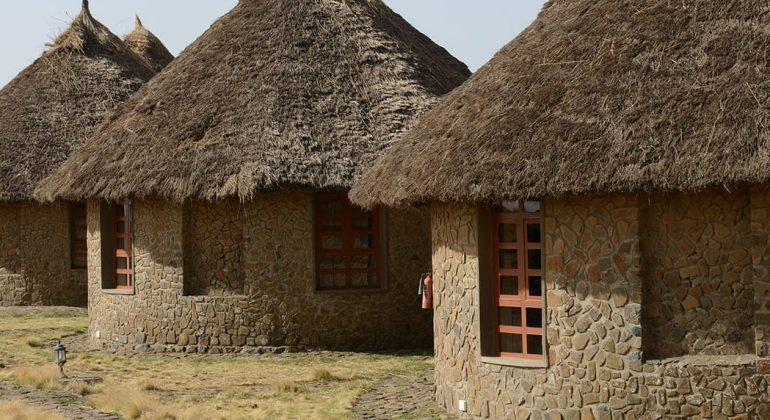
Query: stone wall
[35, 257]
[596, 365]
[699, 274]
[279, 306]
[213, 239]
[760, 256]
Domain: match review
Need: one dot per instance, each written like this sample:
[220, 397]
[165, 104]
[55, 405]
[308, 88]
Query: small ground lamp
[60, 357]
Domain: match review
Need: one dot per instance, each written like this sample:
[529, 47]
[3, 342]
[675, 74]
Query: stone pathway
[63, 403]
[408, 396]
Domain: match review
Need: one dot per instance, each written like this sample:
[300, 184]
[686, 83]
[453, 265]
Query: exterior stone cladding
[600, 274]
[35, 257]
[279, 306]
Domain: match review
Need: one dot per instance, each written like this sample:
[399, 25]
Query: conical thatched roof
[148, 46]
[598, 96]
[277, 94]
[48, 109]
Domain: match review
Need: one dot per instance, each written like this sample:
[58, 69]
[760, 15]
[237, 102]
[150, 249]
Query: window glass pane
[534, 259]
[363, 241]
[79, 261]
[511, 343]
[120, 243]
[509, 285]
[534, 318]
[535, 286]
[327, 280]
[120, 210]
[508, 259]
[364, 279]
[507, 233]
[330, 262]
[535, 344]
[121, 263]
[120, 226]
[510, 317]
[122, 280]
[532, 206]
[331, 242]
[340, 280]
[363, 223]
[508, 207]
[331, 207]
[331, 225]
[363, 261]
[533, 233]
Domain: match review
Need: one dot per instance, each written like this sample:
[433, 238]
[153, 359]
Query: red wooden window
[518, 259]
[347, 244]
[124, 269]
[78, 236]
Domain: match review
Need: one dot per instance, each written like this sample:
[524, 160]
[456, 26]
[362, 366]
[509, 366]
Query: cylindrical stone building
[218, 217]
[600, 216]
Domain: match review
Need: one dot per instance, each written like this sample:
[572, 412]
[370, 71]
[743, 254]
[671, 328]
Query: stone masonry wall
[760, 256]
[213, 236]
[595, 332]
[35, 257]
[279, 306]
[699, 274]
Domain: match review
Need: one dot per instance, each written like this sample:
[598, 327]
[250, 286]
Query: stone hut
[218, 218]
[45, 112]
[601, 216]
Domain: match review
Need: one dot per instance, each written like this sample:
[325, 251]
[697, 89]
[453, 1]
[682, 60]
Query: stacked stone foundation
[656, 308]
[35, 262]
[261, 296]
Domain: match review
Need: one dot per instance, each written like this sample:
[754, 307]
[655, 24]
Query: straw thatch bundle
[598, 96]
[52, 105]
[277, 94]
[148, 46]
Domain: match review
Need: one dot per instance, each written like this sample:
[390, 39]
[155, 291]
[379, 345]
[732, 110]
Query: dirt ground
[333, 385]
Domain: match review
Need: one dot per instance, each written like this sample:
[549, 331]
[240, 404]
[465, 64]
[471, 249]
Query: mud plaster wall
[595, 332]
[35, 257]
[279, 306]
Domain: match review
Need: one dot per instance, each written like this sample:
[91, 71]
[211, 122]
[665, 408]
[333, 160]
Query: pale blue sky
[471, 30]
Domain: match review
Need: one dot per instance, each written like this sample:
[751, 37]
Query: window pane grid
[78, 235]
[124, 272]
[356, 255]
[516, 230]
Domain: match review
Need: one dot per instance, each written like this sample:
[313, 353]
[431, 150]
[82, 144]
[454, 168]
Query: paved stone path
[408, 396]
[63, 403]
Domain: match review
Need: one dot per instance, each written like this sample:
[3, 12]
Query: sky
[472, 31]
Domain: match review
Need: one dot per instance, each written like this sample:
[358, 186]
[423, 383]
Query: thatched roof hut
[52, 105]
[598, 97]
[148, 46]
[277, 93]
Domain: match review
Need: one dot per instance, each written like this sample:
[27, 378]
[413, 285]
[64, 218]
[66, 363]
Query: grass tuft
[131, 402]
[289, 387]
[324, 375]
[19, 410]
[44, 377]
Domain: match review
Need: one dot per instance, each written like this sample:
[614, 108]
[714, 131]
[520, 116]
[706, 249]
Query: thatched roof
[47, 110]
[598, 96]
[276, 94]
[148, 46]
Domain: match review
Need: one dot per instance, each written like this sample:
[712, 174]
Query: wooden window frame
[523, 300]
[126, 252]
[348, 252]
[78, 214]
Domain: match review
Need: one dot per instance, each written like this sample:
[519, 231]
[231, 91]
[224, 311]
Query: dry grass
[18, 410]
[315, 385]
[45, 377]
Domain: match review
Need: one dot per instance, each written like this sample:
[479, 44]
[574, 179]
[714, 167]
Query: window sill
[520, 363]
[378, 291]
[121, 292]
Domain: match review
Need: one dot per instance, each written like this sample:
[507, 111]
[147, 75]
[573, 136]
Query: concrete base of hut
[657, 307]
[271, 300]
[35, 261]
